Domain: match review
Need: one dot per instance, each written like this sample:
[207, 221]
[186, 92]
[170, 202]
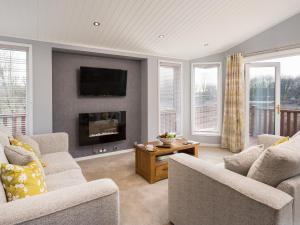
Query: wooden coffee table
[153, 166]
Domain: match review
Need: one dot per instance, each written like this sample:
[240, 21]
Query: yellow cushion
[280, 141]
[22, 181]
[27, 147]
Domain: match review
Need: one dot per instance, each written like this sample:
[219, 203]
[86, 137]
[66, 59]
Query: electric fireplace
[96, 128]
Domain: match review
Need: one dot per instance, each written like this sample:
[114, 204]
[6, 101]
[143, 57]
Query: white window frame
[180, 64]
[220, 100]
[29, 82]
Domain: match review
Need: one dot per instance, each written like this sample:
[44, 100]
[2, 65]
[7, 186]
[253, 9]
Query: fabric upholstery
[58, 162]
[71, 200]
[241, 162]
[22, 181]
[291, 186]
[64, 179]
[275, 165]
[19, 156]
[50, 143]
[267, 139]
[31, 142]
[292, 144]
[3, 159]
[4, 136]
[25, 146]
[233, 122]
[280, 141]
[201, 193]
[296, 134]
[95, 202]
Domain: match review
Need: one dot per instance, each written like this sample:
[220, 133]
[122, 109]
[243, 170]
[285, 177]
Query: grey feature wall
[67, 104]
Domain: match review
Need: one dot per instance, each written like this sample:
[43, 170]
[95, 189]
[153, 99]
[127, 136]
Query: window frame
[180, 65]
[204, 132]
[29, 80]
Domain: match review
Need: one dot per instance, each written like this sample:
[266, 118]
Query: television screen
[102, 82]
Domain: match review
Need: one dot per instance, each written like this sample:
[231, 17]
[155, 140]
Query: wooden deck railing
[16, 122]
[262, 121]
[289, 122]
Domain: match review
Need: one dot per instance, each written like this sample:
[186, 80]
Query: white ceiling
[134, 25]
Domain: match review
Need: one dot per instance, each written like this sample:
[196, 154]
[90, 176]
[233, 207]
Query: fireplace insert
[96, 128]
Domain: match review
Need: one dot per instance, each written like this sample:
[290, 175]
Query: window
[14, 94]
[170, 97]
[206, 98]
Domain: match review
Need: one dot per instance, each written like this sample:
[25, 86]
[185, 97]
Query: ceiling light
[96, 23]
[161, 36]
[205, 44]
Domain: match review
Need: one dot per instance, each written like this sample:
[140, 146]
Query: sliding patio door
[262, 100]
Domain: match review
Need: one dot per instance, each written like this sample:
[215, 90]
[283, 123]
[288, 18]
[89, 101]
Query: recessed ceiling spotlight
[205, 44]
[161, 36]
[96, 23]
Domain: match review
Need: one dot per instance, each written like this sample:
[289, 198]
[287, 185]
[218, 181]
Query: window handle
[278, 109]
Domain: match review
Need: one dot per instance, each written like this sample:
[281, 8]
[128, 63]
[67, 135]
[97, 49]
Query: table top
[177, 145]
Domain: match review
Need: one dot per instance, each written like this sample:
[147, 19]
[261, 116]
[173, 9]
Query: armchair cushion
[267, 139]
[3, 159]
[59, 162]
[31, 142]
[64, 179]
[241, 162]
[54, 142]
[19, 156]
[22, 181]
[275, 165]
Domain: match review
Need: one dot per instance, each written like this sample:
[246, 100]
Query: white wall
[283, 34]
[42, 83]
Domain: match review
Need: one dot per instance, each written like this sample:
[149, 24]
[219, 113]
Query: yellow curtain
[233, 119]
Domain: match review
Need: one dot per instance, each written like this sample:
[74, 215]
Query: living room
[150, 112]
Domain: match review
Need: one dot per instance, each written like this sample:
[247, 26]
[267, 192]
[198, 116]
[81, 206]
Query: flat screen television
[102, 82]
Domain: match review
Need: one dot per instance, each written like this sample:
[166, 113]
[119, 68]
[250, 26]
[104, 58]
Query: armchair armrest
[53, 142]
[267, 139]
[292, 187]
[95, 202]
[202, 193]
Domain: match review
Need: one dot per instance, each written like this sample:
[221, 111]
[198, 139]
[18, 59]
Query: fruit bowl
[167, 138]
[167, 141]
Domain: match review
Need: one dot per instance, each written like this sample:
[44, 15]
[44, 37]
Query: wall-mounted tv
[102, 82]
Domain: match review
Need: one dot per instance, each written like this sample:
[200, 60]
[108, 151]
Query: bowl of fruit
[167, 138]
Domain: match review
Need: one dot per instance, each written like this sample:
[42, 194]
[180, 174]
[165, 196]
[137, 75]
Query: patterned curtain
[233, 120]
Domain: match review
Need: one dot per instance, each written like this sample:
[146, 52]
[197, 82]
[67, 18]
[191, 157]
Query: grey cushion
[241, 162]
[275, 165]
[31, 142]
[58, 162]
[64, 179]
[19, 156]
[297, 134]
[4, 138]
[3, 159]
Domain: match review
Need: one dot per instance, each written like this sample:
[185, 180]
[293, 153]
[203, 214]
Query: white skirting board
[209, 145]
[129, 150]
[104, 155]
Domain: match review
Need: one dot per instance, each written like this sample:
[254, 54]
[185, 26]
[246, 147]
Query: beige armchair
[201, 193]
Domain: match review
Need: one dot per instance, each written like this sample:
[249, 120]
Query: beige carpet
[141, 203]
